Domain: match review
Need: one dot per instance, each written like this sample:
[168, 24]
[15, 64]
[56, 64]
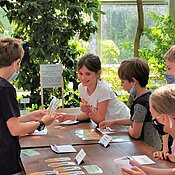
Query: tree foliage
[161, 35]
[48, 27]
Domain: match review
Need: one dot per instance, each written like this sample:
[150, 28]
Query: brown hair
[91, 62]
[10, 50]
[170, 54]
[134, 68]
[162, 100]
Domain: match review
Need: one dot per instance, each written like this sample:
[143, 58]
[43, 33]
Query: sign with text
[51, 75]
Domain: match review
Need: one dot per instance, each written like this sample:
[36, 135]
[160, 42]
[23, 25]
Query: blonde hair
[162, 100]
[10, 50]
[170, 54]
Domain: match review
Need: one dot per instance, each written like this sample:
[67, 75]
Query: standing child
[12, 125]
[134, 75]
[98, 100]
[165, 153]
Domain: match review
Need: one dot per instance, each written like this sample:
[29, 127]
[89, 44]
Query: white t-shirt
[116, 108]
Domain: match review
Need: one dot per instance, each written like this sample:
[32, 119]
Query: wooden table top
[96, 155]
[65, 134]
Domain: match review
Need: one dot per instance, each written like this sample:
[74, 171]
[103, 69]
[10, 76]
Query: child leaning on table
[161, 102]
[98, 100]
[134, 75]
[12, 125]
[165, 153]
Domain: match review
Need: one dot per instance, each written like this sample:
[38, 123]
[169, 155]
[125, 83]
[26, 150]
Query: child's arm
[99, 115]
[135, 129]
[33, 116]
[17, 128]
[108, 123]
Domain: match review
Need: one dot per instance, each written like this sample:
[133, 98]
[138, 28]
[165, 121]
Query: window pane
[118, 27]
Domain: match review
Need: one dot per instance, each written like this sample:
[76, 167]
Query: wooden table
[96, 155]
[62, 135]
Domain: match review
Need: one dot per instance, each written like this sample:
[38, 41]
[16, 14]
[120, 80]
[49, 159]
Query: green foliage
[48, 27]
[110, 75]
[1, 28]
[110, 52]
[161, 36]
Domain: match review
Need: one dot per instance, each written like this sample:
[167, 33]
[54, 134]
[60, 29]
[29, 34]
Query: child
[170, 77]
[134, 75]
[98, 100]
[161, 106]
[12, 125]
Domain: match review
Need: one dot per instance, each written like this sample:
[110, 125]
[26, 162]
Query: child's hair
[91, 62]
[134, 68]
[170, 54]
[162, 100]
[10, 50]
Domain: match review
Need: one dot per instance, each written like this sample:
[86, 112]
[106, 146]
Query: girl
[98, 100]
[165, 153]
[162, 103]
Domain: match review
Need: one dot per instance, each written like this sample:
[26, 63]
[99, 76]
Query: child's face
[170, 68]
[126, 85]
[164, 119]
[87, 77]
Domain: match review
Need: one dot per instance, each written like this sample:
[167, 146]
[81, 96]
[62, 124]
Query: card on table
[107, 130]
[60, 164]
[59, 159]
[63, 149]
[30, 152]
[68, 168]
[93, 169]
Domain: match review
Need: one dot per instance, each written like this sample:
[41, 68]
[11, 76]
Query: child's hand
[48, 119]
[61, 117]
[170, 157]
[38, 114]
[160, 155]
[133, 171]
[84, 106]
[104, 124]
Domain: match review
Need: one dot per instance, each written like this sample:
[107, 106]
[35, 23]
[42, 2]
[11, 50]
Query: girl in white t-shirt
[98, 100]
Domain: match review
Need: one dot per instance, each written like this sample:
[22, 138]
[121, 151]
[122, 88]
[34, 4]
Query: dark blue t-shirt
[9, 145]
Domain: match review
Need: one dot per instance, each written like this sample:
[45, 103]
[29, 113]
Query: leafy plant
[48, 27]
[161, 36]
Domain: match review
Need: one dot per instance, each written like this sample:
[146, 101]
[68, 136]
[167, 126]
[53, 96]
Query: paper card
[80, 156]
[69, 122]
[60, 159]
[108, 130]
[45, 173]
[93, 169]
[123, 162]
[43, 132]
[59, 164]
[143, 159]
[117, 139]
[104, 141]
[68, 168]
[63, 149]
[30, 152]
[72, 173]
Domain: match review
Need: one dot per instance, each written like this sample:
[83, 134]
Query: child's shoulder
[4, 83]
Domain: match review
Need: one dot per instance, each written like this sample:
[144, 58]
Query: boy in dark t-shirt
[134, 75]
[12, 124]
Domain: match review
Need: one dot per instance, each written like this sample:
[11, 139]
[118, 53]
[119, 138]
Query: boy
[134, 75]
[12, 125]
